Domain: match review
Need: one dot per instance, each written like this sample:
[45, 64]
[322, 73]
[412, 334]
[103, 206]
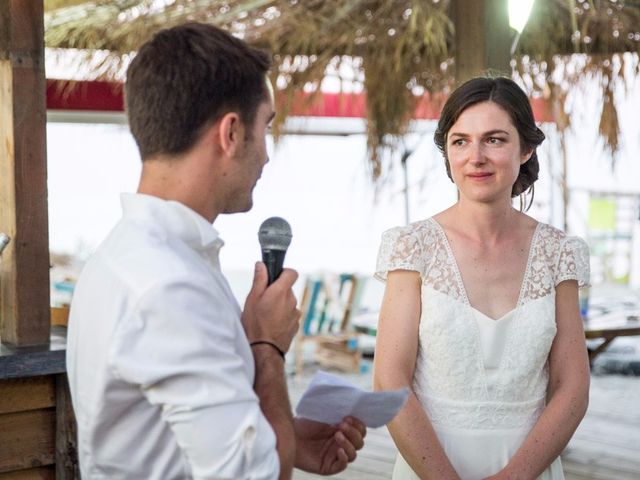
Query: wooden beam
[482, 38]
[27, 439]
[23, 394]
[24, 268]
[39, 473]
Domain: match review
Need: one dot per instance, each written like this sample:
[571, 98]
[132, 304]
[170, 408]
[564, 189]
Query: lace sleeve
[399, 250]
[573, 262]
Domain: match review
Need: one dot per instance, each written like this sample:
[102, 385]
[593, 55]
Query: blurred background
[359, 87]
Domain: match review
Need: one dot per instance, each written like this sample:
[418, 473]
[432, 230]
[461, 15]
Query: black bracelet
[266, 342]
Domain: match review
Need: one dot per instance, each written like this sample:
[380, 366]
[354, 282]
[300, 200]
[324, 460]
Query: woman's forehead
[486, 115]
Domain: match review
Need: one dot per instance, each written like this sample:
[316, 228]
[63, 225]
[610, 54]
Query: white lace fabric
[450, 378]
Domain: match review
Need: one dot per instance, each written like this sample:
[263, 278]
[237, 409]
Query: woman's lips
[479, 176]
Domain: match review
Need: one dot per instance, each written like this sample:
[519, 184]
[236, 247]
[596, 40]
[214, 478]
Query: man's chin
[239, 208]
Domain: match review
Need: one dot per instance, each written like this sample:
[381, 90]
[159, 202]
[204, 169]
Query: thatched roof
[400, 47]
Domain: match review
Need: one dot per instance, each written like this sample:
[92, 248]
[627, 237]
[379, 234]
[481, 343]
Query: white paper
[330, 398]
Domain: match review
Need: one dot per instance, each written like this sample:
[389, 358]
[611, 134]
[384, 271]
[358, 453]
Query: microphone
[274, 236]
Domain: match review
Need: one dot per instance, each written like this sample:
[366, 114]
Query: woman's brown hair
[510, 97]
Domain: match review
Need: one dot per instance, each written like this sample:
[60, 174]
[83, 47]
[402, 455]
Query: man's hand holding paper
[329, 399]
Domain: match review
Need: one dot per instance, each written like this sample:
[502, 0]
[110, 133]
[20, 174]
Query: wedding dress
[482, 381]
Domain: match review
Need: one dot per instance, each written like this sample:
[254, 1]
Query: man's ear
[230, 133]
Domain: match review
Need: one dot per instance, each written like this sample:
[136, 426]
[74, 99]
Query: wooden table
[609, 326]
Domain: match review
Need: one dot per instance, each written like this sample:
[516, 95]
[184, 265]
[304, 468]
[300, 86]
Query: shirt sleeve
[573, 262]
[400, 249]
[181, 349]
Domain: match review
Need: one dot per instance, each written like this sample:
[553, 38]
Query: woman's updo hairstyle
[510, 97]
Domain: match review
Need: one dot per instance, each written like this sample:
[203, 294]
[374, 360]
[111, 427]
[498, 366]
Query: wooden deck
[606, 446]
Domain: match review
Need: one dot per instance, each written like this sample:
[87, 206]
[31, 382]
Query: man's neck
[175, 180]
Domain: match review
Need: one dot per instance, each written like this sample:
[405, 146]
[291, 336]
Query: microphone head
[274, 234]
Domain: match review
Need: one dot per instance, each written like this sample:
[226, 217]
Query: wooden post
[67, 467]
[24, 267]
[482, 38]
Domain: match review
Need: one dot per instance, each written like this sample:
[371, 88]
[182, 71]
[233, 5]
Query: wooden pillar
[66, 433]
[482, 38]
[24, 266]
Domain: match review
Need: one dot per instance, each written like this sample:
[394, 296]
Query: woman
[480, 315]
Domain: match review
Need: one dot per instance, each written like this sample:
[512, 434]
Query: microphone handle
[274, 260]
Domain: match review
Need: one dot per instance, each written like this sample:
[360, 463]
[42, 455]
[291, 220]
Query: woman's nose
[476, 154]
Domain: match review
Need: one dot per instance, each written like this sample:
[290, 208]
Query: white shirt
[160, 369]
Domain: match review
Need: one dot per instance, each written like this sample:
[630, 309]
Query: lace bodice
[450, 378]
[423, 247]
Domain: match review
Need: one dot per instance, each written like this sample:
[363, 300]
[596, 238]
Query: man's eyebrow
[484, 134]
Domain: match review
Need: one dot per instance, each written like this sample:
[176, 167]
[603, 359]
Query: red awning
[100, 96]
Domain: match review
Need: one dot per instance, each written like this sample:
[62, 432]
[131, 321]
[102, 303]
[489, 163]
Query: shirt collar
[173, 217]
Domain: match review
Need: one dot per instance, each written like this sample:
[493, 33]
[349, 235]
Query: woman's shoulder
[420, 229]
[559, 238]
[551, 231]
[567, 256]
[403, 248]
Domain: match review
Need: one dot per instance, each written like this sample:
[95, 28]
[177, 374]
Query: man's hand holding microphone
[270, 316]
[271, 320]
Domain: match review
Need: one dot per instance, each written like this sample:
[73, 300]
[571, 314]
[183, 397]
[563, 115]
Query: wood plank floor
[606, 446]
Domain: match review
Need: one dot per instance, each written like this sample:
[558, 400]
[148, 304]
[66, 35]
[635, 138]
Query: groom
[169, 378]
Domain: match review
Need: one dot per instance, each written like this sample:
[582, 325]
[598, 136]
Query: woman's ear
[526, 155]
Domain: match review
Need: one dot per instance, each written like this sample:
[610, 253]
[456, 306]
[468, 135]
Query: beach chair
[328, 303]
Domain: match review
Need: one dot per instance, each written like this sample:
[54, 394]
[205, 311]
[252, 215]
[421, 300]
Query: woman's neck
[484, 221]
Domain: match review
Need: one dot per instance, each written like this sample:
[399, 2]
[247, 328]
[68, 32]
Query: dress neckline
[478, 315]
[458, 275]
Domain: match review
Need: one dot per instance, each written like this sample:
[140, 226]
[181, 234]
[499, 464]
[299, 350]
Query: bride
[480, 314]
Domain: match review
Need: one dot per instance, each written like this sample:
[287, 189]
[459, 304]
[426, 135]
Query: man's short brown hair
[184, 79]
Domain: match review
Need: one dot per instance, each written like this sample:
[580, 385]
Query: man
[169, 378]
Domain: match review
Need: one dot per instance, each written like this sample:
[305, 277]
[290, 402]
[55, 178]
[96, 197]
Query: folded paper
[330, 398]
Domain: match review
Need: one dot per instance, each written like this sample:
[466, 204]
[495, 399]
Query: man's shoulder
[139, 256]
